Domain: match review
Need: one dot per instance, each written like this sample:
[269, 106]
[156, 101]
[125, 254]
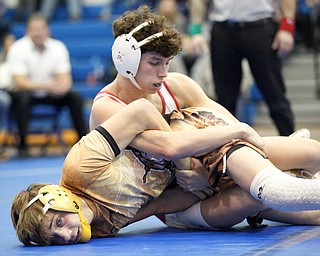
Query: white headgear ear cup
[126, 52]
[126, 55]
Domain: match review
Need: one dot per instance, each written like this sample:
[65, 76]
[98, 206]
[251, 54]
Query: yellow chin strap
[58, 198]
[86, 229]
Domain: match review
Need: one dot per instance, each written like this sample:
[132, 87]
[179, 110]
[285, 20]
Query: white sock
[283, 192]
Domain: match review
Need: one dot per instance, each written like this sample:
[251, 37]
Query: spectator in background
[41, 72]
[183, 62]
[74, 7]
[308, 22]
[7, 40]
[25, 8]
[106, 12]
[114, 7]
[246, 30]
[5, 103]
[186, 62]
[5, 20]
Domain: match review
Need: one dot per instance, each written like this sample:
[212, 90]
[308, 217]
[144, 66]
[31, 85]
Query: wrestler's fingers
[259, 143]
[254, 138]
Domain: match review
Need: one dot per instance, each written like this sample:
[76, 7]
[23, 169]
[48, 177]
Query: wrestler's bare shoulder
[176, 78]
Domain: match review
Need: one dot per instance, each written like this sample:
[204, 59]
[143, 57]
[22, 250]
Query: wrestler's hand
[194, 179]
[251, 136]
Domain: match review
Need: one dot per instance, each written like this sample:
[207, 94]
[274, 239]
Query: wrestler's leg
[270, 185]
[233, 205]
[230, 207]
[296, 218]
[286, 153]
[294, 153]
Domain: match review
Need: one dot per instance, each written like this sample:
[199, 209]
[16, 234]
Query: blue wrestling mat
[150, 236]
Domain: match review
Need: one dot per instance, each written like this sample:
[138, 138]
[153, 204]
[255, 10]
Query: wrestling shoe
[301, 133]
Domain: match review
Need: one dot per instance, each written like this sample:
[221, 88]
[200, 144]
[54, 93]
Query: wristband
[287, 24]
[195, 29]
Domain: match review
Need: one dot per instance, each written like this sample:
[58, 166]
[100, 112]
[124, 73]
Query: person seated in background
[7, 39]
[41, 73]
[5, 103]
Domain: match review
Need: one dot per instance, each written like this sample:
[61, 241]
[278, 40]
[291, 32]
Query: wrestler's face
[64, 227]
[153, 69]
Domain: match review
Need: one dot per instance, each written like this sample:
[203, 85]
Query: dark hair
[169, 44]
[36, 16]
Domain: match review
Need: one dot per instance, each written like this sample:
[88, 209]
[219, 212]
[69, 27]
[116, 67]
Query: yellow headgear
[58, 198]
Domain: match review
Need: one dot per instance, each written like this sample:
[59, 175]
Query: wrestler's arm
[190, 94]
[143, 127]
[179, 144]
[171, 200]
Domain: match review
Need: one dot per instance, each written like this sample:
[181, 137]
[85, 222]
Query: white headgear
[126, 52]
